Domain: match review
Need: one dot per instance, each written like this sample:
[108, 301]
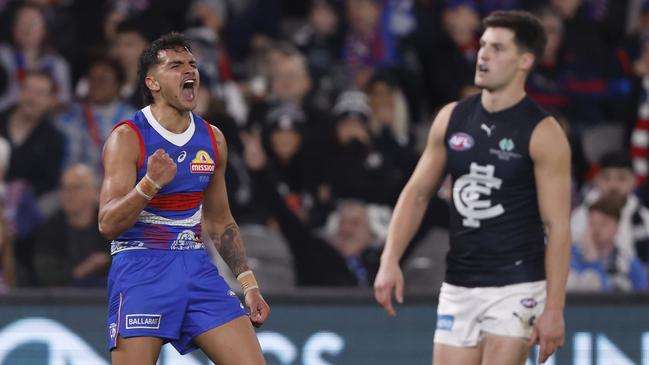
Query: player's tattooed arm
[230, 247]
[217, 219]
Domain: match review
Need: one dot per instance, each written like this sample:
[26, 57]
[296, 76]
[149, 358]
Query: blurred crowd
[325, 105]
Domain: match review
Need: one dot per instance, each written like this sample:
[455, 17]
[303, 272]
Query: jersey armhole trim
[140, 161]
[217, 161]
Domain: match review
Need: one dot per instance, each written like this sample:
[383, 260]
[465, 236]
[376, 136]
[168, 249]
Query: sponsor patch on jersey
[528, 302]
[202, 163]
[445, 322]
[460, 141]
[505, 150]
[149, 321]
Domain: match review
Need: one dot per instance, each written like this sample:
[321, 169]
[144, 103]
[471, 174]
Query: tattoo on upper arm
[231, 249]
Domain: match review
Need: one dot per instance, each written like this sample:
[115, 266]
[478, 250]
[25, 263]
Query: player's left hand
[549, 331]
[259, 309]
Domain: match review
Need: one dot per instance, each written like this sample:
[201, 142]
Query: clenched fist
[161, 168]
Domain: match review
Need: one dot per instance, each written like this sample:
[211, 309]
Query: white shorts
[465, 315]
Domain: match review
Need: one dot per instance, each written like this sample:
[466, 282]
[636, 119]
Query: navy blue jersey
[496, 234]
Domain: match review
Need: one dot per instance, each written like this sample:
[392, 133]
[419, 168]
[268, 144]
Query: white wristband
[157, 186]
[142, 194]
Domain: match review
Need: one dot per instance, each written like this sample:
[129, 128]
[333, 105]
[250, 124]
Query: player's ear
[527, 61]
[152, 84]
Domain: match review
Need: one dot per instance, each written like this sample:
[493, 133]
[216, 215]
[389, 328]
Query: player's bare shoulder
[549, 139]
[440, 124]
[123, 141]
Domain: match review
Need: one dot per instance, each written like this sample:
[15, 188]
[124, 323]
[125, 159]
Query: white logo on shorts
[467, 193]
[148, 321]
[113, 330]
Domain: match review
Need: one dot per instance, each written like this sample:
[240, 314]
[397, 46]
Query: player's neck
[172, 119]
[497, 100]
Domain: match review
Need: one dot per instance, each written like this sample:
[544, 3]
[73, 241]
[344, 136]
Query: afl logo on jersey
[460, 141]
[202, 163]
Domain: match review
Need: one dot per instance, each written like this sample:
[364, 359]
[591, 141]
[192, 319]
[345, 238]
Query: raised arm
[119, 201]
[223, 230]
[410, 210]
[550, 152]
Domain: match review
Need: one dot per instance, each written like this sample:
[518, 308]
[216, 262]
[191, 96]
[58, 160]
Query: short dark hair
[610, 204]
[529, 34]
[54, 85]
[112, 63]
[615, 159]
[149, 58]
[133, 25]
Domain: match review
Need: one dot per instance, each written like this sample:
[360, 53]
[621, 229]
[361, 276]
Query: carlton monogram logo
[469, 192]
[202, 163]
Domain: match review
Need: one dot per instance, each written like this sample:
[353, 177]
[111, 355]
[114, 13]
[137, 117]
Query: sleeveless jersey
[171, 220]
[496, 234]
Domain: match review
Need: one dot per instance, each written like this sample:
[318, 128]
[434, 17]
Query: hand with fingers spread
[549, 331]
[388, 279]
[259, 309]
[161, 168]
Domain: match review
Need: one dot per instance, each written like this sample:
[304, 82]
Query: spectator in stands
[320, 40]
[346, 259]
[206, 20]
[251, 26]
[356, 167]
[389, 114]
[290, 83]
[582, 63]
[597, 263]
[369, 43]
[448, 60]
[127, 45]
[615, 176]
[69, 250]
[36, 145]
[87, 124]
[30, 50]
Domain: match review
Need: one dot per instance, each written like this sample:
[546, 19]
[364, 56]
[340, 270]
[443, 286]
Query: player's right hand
[259, 309]
[389, 278]
[161, 168]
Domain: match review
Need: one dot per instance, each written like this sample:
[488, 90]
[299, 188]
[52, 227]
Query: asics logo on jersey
[468, 193]
[182, 156]
[460, 141]
[488, 129]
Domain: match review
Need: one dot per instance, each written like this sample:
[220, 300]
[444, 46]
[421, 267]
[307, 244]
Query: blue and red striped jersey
[172, 219]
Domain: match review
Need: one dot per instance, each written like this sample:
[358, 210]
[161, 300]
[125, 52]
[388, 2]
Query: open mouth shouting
[189, 89]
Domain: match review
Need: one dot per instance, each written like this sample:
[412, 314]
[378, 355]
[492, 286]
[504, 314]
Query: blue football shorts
[170, 294]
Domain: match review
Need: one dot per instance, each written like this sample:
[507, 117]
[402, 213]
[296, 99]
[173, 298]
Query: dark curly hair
[149, 58]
